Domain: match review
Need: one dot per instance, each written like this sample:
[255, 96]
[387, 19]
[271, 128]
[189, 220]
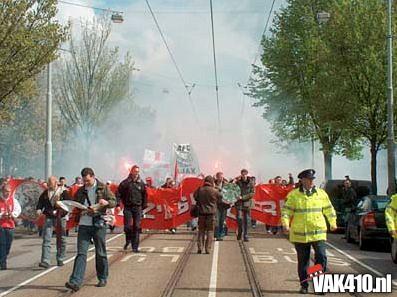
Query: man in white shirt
[98, 198]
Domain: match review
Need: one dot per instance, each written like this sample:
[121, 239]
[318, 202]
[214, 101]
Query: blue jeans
[132, 225]
[242, 221]
[86, 233]
[220, 222]
[48, 228]
[6, 237]
[303, 252]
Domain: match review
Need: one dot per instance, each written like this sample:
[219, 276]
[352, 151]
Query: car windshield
[379, 204]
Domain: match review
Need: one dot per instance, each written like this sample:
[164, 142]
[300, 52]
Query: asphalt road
[221, 273]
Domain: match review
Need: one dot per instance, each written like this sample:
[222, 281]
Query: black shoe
[126, 246]
[194, 228]
[101, 284]
[198, 251]
[238, 237]
[303, 290]
[44, 265]
[60, 263]
[319, 293]
[246, 239]
[72, 287]
[135, 250]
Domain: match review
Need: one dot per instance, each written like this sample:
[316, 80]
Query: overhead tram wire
[257, 54]
[185, 85]
[215, 68]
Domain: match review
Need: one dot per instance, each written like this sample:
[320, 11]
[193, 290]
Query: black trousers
[132, 225]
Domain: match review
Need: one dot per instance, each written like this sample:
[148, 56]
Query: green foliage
[300, 86]
[29, 39]
[91, 80]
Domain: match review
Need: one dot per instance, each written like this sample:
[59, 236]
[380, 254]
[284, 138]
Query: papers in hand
[69, 205]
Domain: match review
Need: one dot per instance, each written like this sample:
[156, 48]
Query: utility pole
[48, 144]
[391, 162]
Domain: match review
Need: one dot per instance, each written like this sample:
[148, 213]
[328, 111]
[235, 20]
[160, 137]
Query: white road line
[373, 270]
[214, 271]
[28, 281]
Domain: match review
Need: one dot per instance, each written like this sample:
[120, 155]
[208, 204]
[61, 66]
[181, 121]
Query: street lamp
[117, 18]
[391, 162]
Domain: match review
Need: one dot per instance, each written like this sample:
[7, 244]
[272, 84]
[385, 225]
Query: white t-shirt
[86, 220]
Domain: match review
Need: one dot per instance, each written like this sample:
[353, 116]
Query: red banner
[170, 208]
[167, 208]
[268, 201]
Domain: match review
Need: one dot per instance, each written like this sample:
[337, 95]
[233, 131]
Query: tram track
[253, 280]
[176, 275]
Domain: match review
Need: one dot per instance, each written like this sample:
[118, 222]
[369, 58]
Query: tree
[297, 85]
[90, 80]
[359, 49]
[29, 39]
[22, 132]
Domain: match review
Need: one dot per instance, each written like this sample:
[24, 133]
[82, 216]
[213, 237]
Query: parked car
[367, 223]
[334, 188]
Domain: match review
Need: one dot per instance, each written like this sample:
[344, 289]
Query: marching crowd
[304, 217]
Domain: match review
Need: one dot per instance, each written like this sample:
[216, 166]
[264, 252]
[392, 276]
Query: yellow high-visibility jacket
[391, 214]
[305, 215]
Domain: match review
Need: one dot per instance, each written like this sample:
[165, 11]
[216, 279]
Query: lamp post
[117, 18]
[48, 143]
[391, 162]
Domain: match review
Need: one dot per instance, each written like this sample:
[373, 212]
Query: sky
[243, 139]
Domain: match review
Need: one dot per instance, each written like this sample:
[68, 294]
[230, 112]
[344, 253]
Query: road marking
[141, 257]
[359, 262]
[173, 249]
[174, 257]
[214, 271]
[28, 281]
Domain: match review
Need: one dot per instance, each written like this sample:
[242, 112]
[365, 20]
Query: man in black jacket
[54, 218]
[243, 205]
[132, 193]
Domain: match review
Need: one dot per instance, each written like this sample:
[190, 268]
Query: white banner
[185, 161]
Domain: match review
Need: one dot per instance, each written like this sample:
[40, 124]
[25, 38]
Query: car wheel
[394, 250]
[362, 243]
[349, 238]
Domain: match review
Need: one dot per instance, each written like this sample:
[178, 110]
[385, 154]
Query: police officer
[391, 217]
[132, 193]
[308, 206]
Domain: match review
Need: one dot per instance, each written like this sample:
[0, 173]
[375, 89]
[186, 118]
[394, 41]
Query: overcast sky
[245, 139]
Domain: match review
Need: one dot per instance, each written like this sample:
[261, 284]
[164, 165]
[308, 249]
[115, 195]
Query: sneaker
[303, 290]
[319, 293]
[72, 287]
[44, 265]
[101, 284]
[198, 251]
[135, 250]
